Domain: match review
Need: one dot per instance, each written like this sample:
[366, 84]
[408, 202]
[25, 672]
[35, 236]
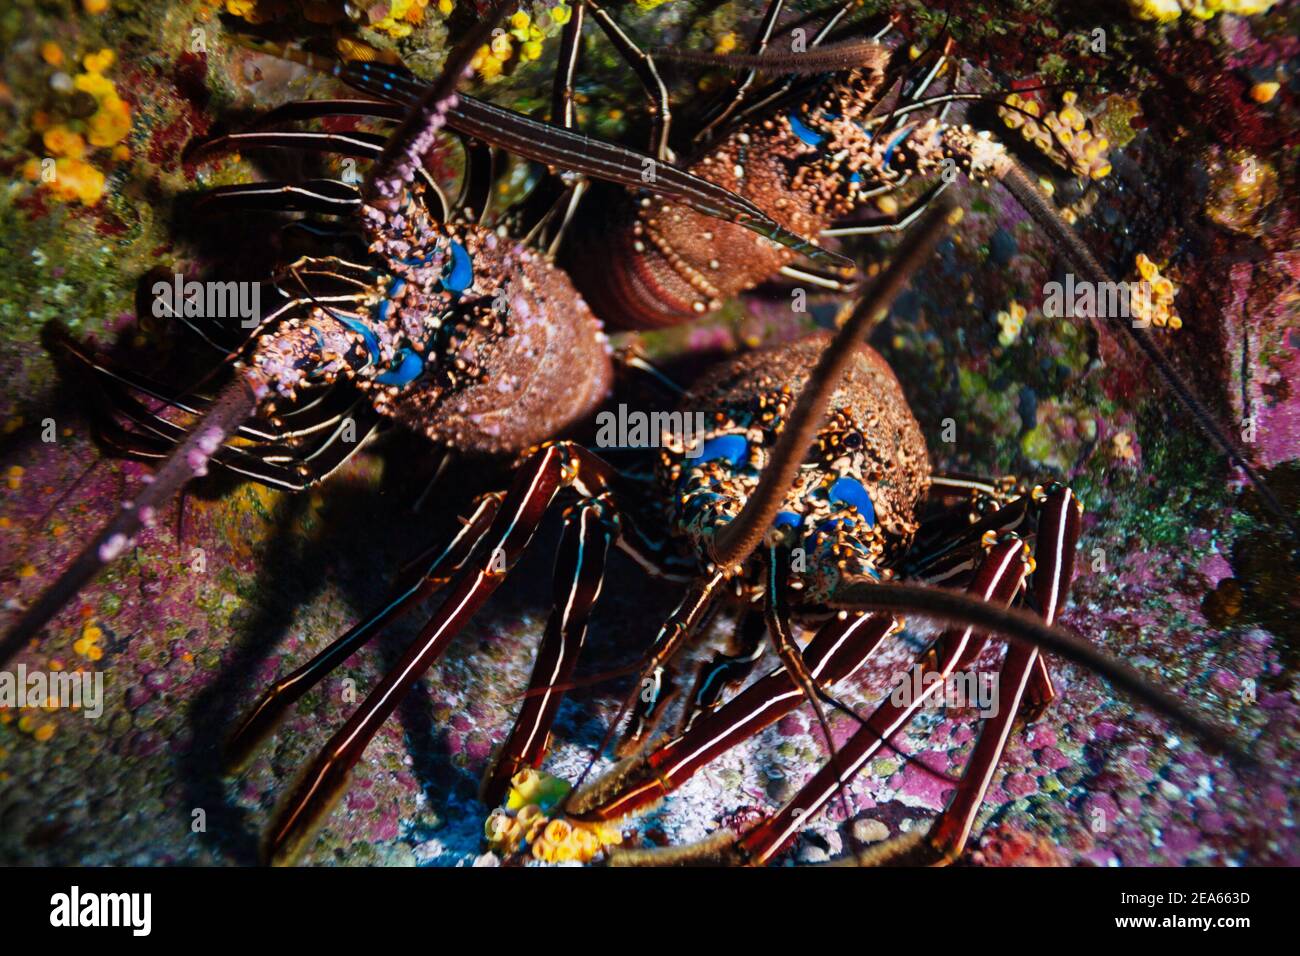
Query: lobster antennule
[232, 407]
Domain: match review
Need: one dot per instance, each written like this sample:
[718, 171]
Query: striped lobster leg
[1023, 675]
[841, 647]
[998, 580]
[549, 470]
[271, 707]
[589, 530]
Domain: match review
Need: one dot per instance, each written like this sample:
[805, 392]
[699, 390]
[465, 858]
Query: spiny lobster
[859, 535]
[775, 472]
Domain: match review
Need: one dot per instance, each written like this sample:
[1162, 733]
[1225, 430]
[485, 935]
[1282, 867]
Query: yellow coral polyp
[1167, 11]
[98, 62]
[503, 832]
[73, 179]
[548, 840]
[1264, 92]
[1156, 306]
[88, 644]
[1010, 322]
[557, 831]
[562, 842]
[61, 141]
[530, 786]
[1064, 136]
[111, 122]
[402, 14]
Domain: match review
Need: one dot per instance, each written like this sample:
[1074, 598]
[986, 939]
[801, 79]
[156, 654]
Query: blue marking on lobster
[366, 333]
[849, 491]
[787, 519]
[894, 143]
[734, 448]
[406, 368]
[459, 273]
[805, 132]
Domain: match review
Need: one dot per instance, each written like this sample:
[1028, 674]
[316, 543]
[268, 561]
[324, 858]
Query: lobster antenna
[405, 150]
[853, 54]
[739, 538]
[190, 459]
[1018, 183]
[958, 608]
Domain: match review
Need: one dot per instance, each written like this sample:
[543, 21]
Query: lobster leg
[551, 468]
[318, 109]
[942, 558]
[841, 647]
[562, 112]
[657, 684]
[326, 196]
[777, 612]
[270, 708]
[756, 48]
[893, 224]
[359, 145]
[579, 568]
[726, 670]
[1021, 675]
[998, 580]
